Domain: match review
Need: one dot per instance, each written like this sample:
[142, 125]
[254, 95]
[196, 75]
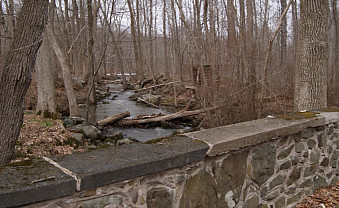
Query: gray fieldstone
[290, 190]
[311, 143]
[285, 165]
[231, 175]
[251, 202]
[262, 163]
[335, 180]
[337, 143]
[320, 128]
[294, 160]
[271, 196]
[325, 162]
[199, 191]
[322, 140]
[285, 152]
[314, 157]
[307, 133]
[113, 200]
[90, 131]
[281, 202]
[294, 198]
[299, 147]
[68, 122]
[306, 154]
[306, 183]
[278, 180]
[159, 197]
[294, 176]
[78, 139]
[319, 182]
[330, 149]
[263, 191]
[310, 170]
[330, 130]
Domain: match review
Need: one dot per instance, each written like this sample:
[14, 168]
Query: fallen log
[113, 119]
[148, 103]
[151, 87]
[169, 117]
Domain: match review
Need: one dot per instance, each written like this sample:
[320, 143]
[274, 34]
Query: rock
[294, 198]
[319, 182]
[330, 130]
[271, 196]
[306, 183]
[151, 98]
[262, 163]
[77, 120]
[231, 175]
[280, 202]
[306, 154]
[299, 147]
[229, 199]
[311, 143]
[68, 122]
[118, 136]
[335, 180]
[295, 175]
[290, 190]
[320, 128]
[105, 102]
[330, 148]
[112, 200]
[251, 202]
[126, 141]
[325, 162]
[310, 170]
[307, 133]
[159, 197]
[314, 157]
[322, 140]
[278, 180]
[76, 128]
[285, 165]
[285, 152]
[294, 160]
[91, 132]
[199, 191]
[78, 139]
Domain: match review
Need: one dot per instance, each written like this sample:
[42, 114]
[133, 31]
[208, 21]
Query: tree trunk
[66, 73]
[45, 80]
[165, 40]
[16, 73]
[90, 29]
[310, 91]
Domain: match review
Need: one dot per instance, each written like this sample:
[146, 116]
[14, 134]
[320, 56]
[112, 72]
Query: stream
[119, 102]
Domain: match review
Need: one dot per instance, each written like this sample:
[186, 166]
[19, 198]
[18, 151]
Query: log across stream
[119, 103]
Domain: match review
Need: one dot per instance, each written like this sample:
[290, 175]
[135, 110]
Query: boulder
[91, 132]
[151, 98]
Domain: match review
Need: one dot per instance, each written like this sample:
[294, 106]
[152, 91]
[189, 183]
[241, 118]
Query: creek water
[119, 102]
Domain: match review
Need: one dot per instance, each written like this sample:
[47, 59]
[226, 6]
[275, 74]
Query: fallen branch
[151, 87]
[148, 103]
[169, 117]
[114, 118]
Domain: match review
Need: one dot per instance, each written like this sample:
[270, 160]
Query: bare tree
[312, 56]
[16, 73]
[45, 81]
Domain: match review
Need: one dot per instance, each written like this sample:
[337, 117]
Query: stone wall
[262, 166]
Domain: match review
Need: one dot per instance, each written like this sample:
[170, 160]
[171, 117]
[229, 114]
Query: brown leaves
[327, 197]
[41, 137]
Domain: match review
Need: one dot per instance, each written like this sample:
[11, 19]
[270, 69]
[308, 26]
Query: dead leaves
[327, 197]
[42, 137]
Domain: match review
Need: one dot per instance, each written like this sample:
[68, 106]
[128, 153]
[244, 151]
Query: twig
[70, 48]
[43, 179]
